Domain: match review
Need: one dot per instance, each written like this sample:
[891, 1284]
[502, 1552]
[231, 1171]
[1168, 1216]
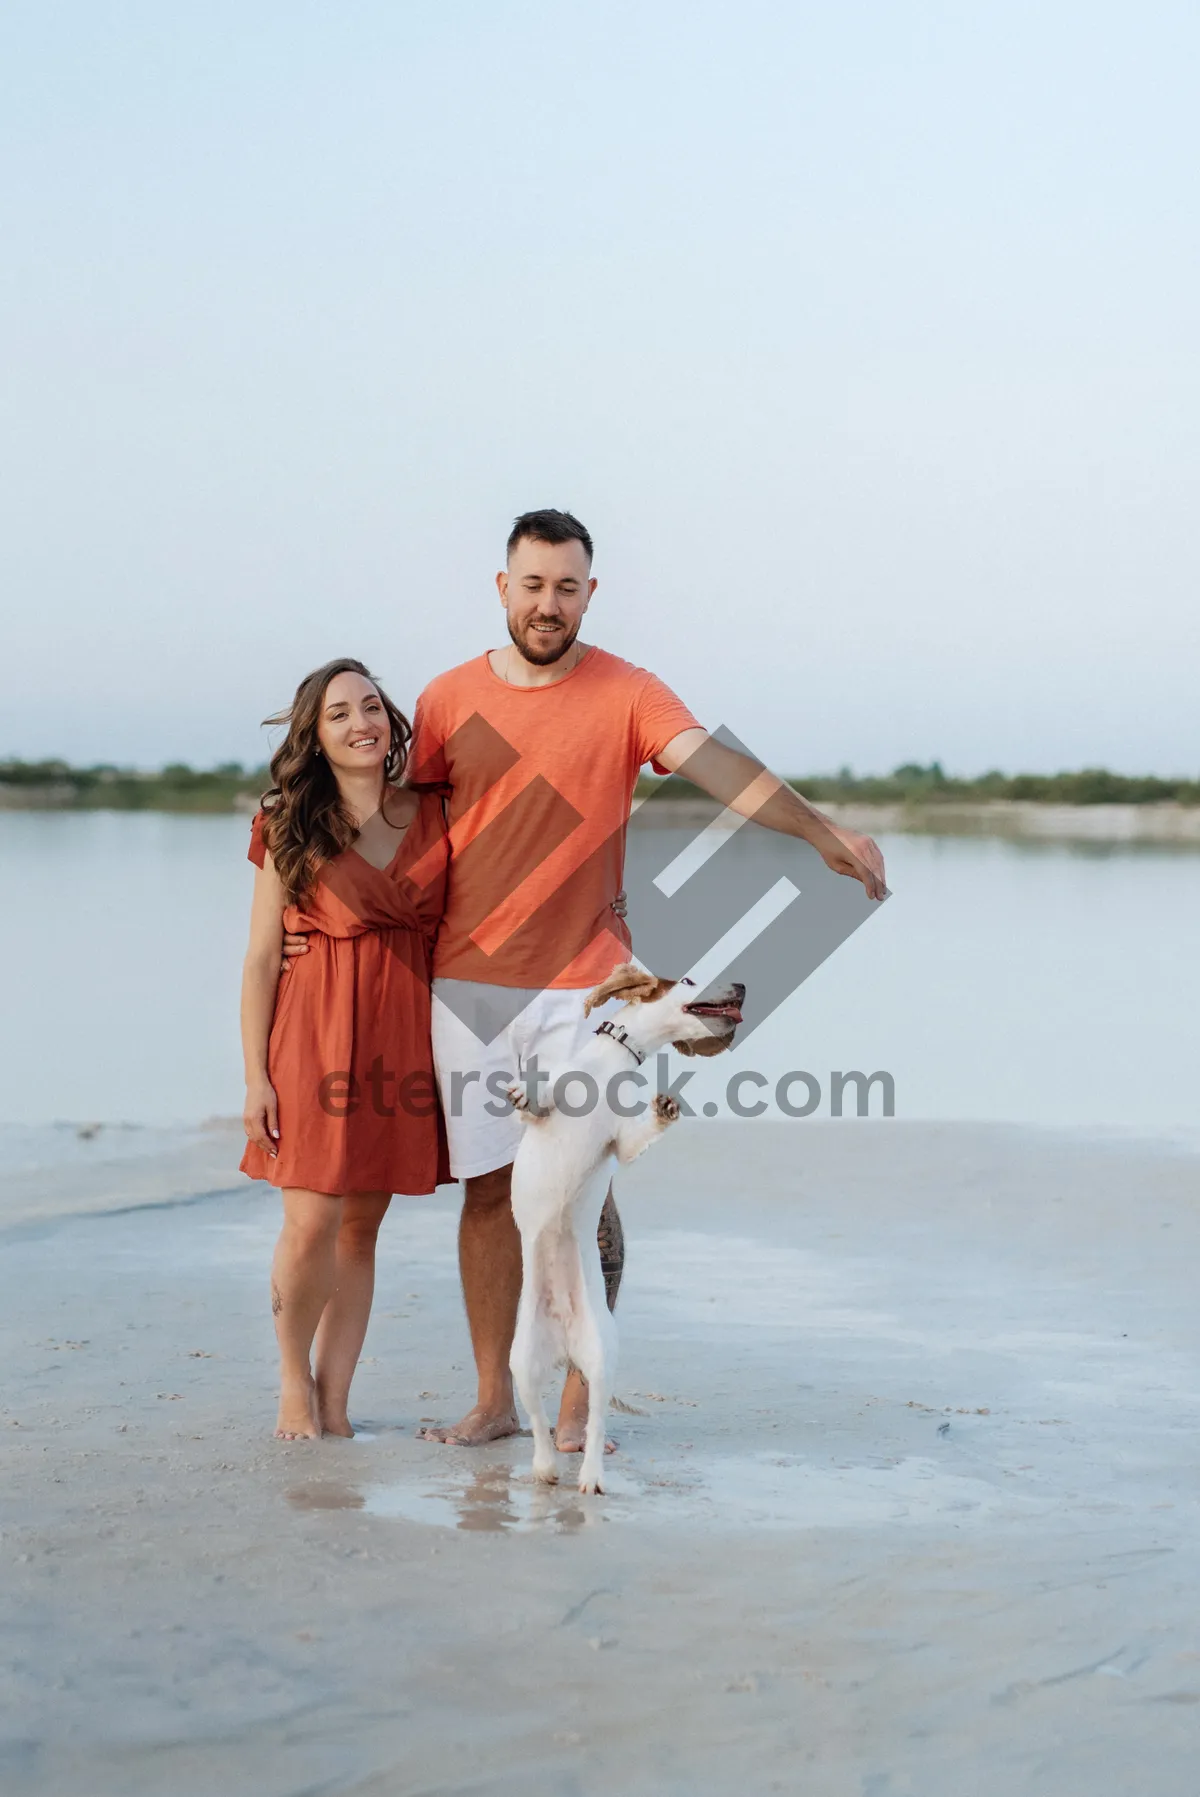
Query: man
[538, 746]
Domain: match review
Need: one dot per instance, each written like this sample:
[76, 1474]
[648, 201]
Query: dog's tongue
[731, 1010]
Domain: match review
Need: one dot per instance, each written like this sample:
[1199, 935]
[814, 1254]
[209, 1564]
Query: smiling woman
[358, 861]
[344, 753]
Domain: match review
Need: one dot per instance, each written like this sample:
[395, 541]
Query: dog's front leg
[518, 1096]
[635, 1136]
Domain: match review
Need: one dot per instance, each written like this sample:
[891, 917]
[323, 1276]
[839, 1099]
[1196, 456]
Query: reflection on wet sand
[493, 1498]
[741, 1491]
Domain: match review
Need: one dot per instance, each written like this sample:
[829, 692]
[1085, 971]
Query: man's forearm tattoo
[611, 1238]
[276, 1299]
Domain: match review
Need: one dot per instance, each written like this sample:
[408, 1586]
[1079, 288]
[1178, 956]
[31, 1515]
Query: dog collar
[619, 1034]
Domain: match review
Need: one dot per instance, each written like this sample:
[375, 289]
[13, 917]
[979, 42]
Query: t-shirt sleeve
[257, 852]
[660, 716]
[427, 767]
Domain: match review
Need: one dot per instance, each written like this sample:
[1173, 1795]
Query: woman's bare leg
[301, 1282]
[343, 1326]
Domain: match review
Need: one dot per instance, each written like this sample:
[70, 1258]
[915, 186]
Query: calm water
[1026, 983]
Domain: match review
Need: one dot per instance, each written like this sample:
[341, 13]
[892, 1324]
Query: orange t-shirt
[540, 781]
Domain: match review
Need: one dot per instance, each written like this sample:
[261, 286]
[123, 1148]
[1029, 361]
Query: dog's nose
[739, 991]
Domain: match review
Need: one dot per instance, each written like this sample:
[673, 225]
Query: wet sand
[909, 1505]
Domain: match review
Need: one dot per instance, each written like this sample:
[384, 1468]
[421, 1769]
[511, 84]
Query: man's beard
[536, 650]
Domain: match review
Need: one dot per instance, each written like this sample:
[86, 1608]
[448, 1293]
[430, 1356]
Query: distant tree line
[175, 787]
[178, 787]
[913, 784]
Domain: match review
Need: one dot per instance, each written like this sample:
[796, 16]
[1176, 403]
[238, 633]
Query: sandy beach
[905, 1500]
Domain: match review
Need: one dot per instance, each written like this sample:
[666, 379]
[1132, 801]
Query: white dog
[560, 1178]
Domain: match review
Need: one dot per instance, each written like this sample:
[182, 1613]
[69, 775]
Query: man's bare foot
[572, 1417]
[568, 1439]
[476, 1428]
[298, 1418]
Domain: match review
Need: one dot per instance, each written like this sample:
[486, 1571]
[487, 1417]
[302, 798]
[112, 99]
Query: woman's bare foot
[298, 1418]
[333, 1414]
[476, 1428]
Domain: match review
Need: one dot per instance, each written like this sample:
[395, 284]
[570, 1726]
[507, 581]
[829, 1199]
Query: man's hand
[620, 905]
[860, 859]
[743, 784]
[294, 943]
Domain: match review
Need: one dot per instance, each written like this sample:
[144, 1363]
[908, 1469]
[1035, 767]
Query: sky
[861, 337]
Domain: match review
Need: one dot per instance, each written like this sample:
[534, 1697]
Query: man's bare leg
[572, 1413]
[489, 1260]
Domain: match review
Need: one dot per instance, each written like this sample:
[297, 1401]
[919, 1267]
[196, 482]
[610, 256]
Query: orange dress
[350, 1055]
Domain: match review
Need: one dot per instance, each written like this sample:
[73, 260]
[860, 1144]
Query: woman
[341, 1108]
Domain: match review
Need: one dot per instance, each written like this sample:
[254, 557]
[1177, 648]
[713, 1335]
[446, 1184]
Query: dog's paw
[591, 1487]
[545, 1472]
[665, 1108]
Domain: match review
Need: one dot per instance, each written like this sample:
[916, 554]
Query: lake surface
[1034, 983]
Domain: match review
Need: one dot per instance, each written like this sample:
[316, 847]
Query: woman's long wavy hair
[306, 822]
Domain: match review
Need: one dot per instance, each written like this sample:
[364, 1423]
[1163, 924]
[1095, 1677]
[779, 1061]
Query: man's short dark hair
[549, 526]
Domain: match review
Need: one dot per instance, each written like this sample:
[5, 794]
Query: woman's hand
[261, 1116]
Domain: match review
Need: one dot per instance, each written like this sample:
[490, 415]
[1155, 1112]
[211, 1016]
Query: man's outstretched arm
[743, 784]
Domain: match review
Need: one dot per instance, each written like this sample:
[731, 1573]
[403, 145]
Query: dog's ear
[628, 982]
[708, 1044]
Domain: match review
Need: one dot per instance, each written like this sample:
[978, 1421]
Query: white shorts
[518, 1021]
